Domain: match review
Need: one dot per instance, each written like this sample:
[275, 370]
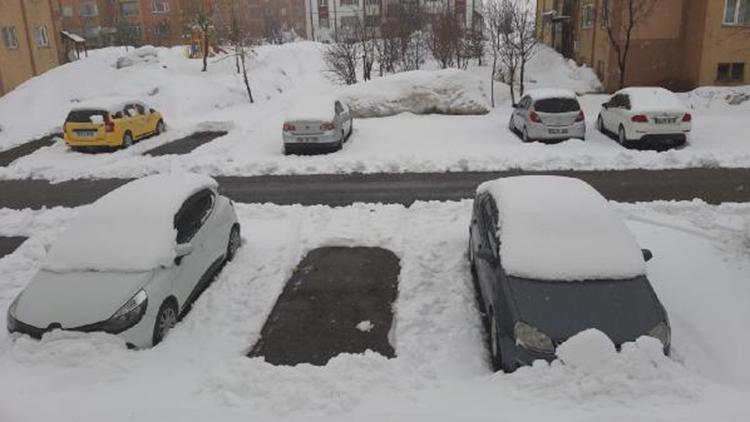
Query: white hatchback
[548, 115]
[645, 115]
[132, 262]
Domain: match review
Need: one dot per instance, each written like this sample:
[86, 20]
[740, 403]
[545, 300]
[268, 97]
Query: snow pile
[548, 69]
[144, 55]
[587, 351]
[561, 229]
[718, 98]
[542, 93]
[653, 99]
[448, 91]
[129, 229]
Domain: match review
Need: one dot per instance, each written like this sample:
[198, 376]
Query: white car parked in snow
[548, 114]
[132, 262]
[645, 115]
[317, 124]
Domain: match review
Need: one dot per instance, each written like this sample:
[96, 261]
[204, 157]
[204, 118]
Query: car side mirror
[647, 255]
[151, 110]
[605, 106]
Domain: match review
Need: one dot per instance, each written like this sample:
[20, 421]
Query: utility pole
[312, 21]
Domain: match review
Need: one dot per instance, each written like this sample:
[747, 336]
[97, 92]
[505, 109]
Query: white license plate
[86, 133]
[663, 121]
[309, 139]
[558, 131]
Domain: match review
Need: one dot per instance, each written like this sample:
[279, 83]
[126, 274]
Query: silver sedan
[318, 124]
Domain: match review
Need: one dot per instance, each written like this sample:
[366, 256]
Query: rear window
[84, 116]
[557, 105]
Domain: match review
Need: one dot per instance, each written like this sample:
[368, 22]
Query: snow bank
[561, 229]
[448, 91]
[143, 55]
[129, 229]
[549, 69]
[718, 98]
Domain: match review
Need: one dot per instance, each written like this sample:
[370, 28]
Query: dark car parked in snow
[549, 260]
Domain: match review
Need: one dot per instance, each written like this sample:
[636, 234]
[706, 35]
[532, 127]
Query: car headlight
[662, 332]
[12, 322]
[128, 315]
[531, 338]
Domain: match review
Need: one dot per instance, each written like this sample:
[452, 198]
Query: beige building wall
[28, 59]
[722, 44]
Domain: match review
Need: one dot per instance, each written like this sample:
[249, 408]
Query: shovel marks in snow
[185, 145]
[339, 300]
[10, 155]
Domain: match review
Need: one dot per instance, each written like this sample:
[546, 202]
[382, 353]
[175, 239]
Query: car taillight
[640, 118]
[288, 127]
[580, 116]
[534, 117]
[327, 126]
[109, 126]
[687, 117]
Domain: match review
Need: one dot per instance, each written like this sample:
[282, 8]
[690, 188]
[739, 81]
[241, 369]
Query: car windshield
[84, 116]
[557, 105]
[624, 309]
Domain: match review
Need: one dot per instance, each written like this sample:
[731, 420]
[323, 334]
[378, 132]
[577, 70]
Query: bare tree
[445, 38]
[621, 26]
[387, 49]
[341, 60]
[234, 25]
[523, 23]
[498, 19]
[366, 37]
[407, 28]
[475, 44]
[204, 25]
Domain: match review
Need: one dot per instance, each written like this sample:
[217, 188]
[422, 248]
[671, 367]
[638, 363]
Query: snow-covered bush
[447, 91]
[143, 55]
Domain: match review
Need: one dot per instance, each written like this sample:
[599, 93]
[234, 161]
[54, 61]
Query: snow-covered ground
[282, 75]
[441, 372]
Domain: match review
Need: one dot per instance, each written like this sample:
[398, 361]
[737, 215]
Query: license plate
[86, 133]
[663, 121]
[309, 139]
[558, 131]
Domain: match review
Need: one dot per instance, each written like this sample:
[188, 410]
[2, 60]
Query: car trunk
[558, 119]
[667, 121]
[306, 127]
[86, 124]
[557, 111]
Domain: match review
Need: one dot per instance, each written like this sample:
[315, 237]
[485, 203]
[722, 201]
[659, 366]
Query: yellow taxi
[120, 126]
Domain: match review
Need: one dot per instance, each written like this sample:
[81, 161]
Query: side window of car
[337, 107]
[626, 102]
[141, 109]
[130, 110]
[490, 223]
[193, 214]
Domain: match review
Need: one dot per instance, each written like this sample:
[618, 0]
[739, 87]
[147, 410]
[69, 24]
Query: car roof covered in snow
[319, 108]
[112, 107]
[543, 94]
[653, 99]
[561, 229]
[129, 229]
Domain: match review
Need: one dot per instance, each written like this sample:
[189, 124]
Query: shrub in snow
[448, 91]
[143, 55]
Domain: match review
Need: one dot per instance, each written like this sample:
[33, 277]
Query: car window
[489, 212]
[338, 107]
[557, 105]
[130, 110]
[525, 102]
[626, 102]
[141, 109]
[193, 213]
[84, 116]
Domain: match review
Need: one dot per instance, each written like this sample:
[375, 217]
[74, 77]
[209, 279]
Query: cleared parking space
[185, 145]
[9, 244]
[11, 155]
[339, 300]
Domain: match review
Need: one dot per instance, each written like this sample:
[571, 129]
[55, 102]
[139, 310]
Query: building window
[160, 7]
[605, 13]
[323, 22]
[730, 72]
[41, 36]
[372, 20]
[67, 11]
[323, 3]
[89, 9]
[350, 22]
[737, 12]
[162, 29]
[349, 2]
[9, 37]
[587, 16]
[129, 8]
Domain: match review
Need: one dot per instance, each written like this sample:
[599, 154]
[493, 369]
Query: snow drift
[143, 55]
[448, 91]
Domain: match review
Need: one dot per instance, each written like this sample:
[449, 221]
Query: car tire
[340, 144]
[600, 124]
[525, 136]
[234, 242]
[622, 137]
[511, 126]
[351, 129]
[496, 357]
[165, 321]
[160, 127]
[127, 140]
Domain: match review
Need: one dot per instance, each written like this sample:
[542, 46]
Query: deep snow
[283, 75]
[441, 372]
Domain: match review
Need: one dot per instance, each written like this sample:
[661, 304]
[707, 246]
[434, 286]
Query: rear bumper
[92, 142]
[313, 142]
[662, 139]
[548, 133]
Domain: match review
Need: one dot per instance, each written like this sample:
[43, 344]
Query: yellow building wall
[38, 13]
[722, 44]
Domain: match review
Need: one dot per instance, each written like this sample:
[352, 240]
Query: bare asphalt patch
[339, 300]
[8, 245]
[185, 145]
[10, 155]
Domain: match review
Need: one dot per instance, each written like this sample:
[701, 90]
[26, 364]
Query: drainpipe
[593, 35]
[312, 21]
[28, 37]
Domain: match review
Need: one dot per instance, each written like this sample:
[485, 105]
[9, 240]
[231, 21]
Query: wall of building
[722, 44]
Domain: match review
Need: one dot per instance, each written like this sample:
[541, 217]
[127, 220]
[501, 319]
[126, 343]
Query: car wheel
[622, 137]
[351, 128]
[495, 353]
[340, 144]
[127, 140]
[165, 320]
[600, 124]
[511, 126]
[160, 127]
[234, 243]
[525, 135]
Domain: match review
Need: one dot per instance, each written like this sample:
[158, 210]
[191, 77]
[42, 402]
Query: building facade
[30, 43]
[679, 44]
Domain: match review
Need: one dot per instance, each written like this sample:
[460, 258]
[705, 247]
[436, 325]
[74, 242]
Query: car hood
[622, 309]
[76, 299]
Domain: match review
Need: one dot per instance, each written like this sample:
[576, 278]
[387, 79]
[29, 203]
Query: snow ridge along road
[711, 185]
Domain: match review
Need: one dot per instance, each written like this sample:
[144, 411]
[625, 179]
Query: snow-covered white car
[548, 114]
[317, 124]
[551, 259]
[643, 115]
[132, 262]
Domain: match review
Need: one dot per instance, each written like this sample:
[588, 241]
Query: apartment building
[679, 44]
[30, 45]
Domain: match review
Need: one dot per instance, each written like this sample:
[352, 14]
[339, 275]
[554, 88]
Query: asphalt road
[712, 185]
[10, 244]
[185, 145]
[10, 155]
